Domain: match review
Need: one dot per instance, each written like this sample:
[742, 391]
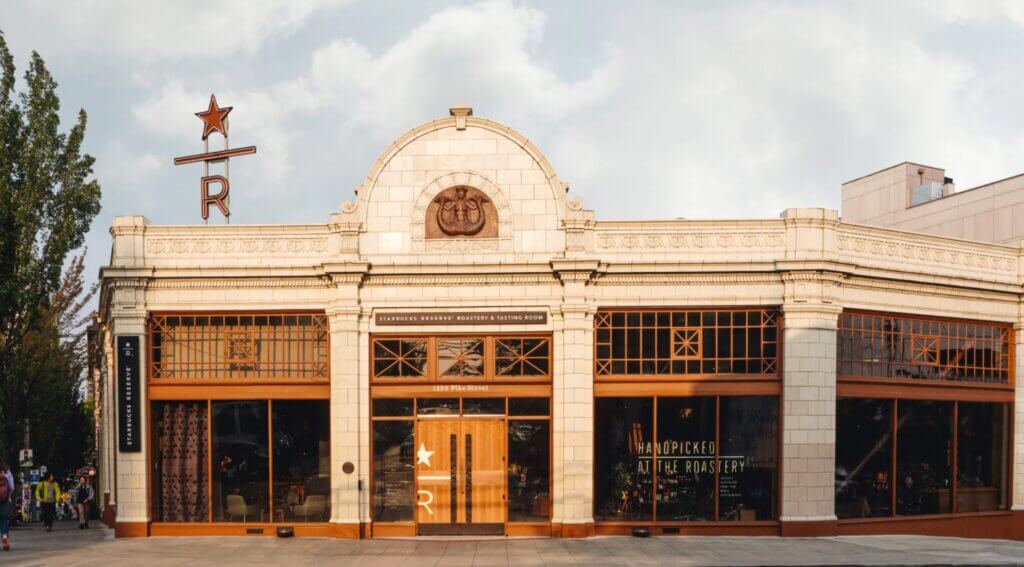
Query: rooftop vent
[927, 191]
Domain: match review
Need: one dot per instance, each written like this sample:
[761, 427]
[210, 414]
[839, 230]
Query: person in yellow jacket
[48, 495]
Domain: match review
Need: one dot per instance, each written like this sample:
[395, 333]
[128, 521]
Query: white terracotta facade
[551, 255]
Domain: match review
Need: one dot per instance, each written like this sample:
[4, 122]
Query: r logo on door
[425, 503]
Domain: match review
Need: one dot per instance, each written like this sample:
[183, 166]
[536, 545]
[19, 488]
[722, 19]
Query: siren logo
[215, 119]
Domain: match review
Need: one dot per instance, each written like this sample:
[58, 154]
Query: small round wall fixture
[285, 531]
[641, 531]
[348, 467]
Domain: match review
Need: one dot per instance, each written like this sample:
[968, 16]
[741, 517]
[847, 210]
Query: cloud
[159, 30]
[731, 110]
[348, 95]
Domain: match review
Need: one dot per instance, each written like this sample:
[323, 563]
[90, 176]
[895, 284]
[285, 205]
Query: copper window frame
[770, 316]
[858, 325]
[432, 371]
[214, 366]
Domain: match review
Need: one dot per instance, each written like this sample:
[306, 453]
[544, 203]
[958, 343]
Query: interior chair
[238, 508]
[314, 507]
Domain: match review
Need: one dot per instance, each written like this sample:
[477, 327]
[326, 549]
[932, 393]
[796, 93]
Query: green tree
[47, 203]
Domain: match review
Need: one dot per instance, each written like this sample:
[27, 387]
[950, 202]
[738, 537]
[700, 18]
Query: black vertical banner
[128, 394]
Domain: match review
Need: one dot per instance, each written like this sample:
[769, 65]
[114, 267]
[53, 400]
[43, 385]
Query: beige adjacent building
[465, 349]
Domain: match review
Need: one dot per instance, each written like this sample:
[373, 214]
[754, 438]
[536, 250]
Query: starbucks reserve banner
[415, 318]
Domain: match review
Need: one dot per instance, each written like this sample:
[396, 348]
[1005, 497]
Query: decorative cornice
[688, 279]
[460, 279]
[891, 249]
[261, 245]
[857, 282]
[678, 240]
[238, 283]
[814, 276]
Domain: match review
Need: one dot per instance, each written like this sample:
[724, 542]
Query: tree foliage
[47, 203]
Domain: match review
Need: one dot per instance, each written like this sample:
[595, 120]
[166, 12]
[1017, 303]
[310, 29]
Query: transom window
[686, 342]
[238, 346]
[461, 358]
[886, 346]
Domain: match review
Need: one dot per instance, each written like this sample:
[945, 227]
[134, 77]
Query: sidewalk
[67, 546]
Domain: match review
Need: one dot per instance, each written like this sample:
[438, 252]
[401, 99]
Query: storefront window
[622, 460]
[240, 461]
[458, 358]
[302, 461]
[685, 466]
[923, 457]
[529, 470]
[393, 471]
[688, 455]
[925, 441]
[180, 467]
[863, 458]
[982, 447]
[748, 458]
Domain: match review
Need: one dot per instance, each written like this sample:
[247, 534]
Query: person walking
[6, 500]
[83, 499]
[48, 495]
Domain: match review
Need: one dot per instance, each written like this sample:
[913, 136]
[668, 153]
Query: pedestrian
[48, 495]
[6, 499]
[83, 499]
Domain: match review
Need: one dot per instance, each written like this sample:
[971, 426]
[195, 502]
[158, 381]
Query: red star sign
[213, 118]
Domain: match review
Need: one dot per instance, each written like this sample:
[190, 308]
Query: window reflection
[622, 460]
[923, 451]
[748, 458]
[302, 463]
[982, 447]
[529, 470]
[240, 461]
[863, 458]
[686, 459]
[392, 471]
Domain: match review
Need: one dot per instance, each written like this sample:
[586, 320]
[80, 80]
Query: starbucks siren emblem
[462, 215]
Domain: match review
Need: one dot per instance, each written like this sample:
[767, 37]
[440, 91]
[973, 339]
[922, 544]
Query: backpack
[5, 490]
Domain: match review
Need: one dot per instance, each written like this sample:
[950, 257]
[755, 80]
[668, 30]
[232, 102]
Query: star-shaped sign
[214, 118]
[423, 455]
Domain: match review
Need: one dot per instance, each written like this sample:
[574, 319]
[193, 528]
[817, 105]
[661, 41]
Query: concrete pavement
[67, 546]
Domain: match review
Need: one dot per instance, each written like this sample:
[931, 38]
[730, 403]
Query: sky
[647, 109]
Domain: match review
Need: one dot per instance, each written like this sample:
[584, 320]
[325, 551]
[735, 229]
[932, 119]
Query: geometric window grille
[631, 343]
[909, 347]
[399, 358]
[925, 350]
[239, 347]
[521, 356]
[460, 357]
[686, 344]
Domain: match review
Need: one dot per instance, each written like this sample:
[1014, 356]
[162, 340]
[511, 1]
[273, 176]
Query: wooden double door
[460, 476]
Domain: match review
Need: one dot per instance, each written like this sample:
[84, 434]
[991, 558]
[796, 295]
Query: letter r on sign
[220, 199]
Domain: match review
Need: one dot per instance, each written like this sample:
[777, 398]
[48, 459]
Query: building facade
[465, 349]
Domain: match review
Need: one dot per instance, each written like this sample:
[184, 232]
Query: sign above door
[462, 318]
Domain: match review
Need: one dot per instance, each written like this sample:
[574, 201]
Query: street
[67, 546]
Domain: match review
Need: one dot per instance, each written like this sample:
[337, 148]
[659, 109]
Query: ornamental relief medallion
[461, 212]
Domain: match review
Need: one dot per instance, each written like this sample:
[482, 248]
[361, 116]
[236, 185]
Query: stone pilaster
[131, 474]
[573, 403]
[1018, 432]
[809, 418]
[348, 418]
